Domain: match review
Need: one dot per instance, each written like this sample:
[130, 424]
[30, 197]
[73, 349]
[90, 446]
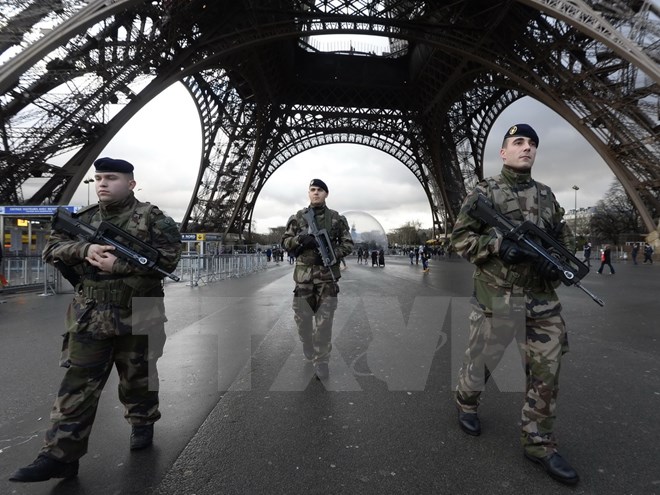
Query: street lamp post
[576, 188]
[88, 181]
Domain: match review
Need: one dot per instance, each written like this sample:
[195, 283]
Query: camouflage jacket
[338, 231]
[519, 198]
[107, 305]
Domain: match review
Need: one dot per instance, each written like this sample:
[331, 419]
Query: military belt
[97, 277]
[121, 296]
[108, 276]
[528, 281]
[310, 260]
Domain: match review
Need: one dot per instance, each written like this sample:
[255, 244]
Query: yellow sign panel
[201, 237]
[21, 222]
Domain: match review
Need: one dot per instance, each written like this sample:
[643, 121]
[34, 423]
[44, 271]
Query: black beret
[319, 183]
[107, 164]
[522, 130]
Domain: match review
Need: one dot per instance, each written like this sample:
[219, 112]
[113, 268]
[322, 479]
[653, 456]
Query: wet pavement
[242, 412]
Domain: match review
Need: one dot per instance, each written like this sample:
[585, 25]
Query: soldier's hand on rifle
[307, 241]
[99, 256]
[511, 253]
[548, 270]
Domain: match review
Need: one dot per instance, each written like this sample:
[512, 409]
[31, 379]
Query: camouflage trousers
[314, 306]
[541, 343]
[90, 363]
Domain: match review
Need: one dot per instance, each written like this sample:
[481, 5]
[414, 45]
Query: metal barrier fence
[31, 273]
[27, 272]
[195, 269]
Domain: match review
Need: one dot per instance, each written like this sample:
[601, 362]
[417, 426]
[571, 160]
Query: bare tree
[273, 237]
[406, 235]
[615, 216]
[275, 234]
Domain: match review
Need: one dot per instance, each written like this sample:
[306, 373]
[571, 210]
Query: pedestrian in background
[425, 259]
[606, 259]
[587, 254]
[648, 253]
[634, 252]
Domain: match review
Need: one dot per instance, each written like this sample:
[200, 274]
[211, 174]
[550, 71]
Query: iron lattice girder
[388, 130]
[580, 13]
[366, 132]
[229, 139]
[64, 100]
[298, 127]
[573, 57]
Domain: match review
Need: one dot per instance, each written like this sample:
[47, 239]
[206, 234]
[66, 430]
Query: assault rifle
[127, 247]
[328, 256]
[571, 270]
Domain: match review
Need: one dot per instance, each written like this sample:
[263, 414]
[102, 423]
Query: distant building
[579, 220]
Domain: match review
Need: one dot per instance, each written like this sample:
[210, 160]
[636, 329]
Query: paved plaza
[242, 413]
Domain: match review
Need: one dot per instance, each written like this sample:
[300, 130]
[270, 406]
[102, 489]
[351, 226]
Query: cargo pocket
[65, 362]
[78, 314]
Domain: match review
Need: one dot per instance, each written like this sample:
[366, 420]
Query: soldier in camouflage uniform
[116, 318]
[315, 294]
[515, 300]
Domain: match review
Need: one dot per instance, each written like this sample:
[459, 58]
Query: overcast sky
[163, 141]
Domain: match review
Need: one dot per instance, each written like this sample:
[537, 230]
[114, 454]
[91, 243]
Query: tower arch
[451, 68]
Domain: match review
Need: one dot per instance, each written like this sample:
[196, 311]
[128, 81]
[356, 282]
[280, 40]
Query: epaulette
[86, 209]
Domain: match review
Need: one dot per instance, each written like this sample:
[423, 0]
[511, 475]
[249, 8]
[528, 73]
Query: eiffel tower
[266, 89]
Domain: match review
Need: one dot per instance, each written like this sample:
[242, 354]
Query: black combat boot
[557, 467]
[469, 423]
[44, 468]
[142, 436]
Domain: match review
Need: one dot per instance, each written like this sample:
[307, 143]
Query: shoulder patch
[167, 226]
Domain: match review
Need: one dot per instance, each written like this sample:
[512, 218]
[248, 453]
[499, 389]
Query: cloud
[163, 141]
[358, 178]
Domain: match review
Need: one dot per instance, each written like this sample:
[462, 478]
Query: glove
[548, 270]
[511, 253]
[307, 241]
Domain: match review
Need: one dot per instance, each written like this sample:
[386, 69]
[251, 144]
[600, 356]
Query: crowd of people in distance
[605, 255]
